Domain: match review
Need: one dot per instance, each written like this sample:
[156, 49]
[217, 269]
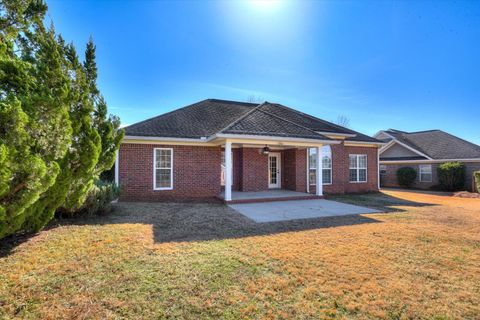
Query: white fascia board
[387, 145]
[272, 138]
[364, 142]
[164, 139]
[429, 161]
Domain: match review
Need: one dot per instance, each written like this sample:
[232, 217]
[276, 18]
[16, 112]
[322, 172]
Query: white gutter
[364, 142]
[430, 161]
[273, 138]
[203, 139]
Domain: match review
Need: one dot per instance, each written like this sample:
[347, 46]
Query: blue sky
[407, 65]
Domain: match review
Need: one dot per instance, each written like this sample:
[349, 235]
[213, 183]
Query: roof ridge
[313, 117]
[231, 101]
[296, 124]
[423, 131]
[243, 116]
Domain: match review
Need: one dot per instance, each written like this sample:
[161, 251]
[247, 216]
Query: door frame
[278, 155]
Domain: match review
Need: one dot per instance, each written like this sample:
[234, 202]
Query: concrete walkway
[297, 209]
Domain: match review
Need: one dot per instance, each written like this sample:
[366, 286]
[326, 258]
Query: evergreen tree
[55, 136]
[106, 126]
[34, 124]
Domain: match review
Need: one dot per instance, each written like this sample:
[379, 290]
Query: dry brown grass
[422, 261]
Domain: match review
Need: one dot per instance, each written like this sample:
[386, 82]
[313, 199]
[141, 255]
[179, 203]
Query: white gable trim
[393, 141]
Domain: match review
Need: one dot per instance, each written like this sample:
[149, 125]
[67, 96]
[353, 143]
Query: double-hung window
[163, 169]
[358, 168]
[326, 165]
[425, 173]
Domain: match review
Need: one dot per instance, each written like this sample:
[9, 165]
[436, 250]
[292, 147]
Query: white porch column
[318, 172]
[228, 171]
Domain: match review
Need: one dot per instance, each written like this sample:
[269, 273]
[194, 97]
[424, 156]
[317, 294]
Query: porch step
[257, 200]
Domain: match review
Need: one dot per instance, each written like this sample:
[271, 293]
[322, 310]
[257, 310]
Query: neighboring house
[213, 147]
[424, 151]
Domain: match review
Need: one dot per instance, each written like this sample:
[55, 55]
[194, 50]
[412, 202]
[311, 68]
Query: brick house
[424, 151]
[219, 149]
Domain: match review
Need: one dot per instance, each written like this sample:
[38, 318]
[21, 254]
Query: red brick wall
[196, 173]
[254, 170]
[237, 169]
[288, 169]
[372, 170]
[340, 171]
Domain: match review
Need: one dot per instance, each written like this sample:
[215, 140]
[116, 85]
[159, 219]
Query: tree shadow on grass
[183, 222]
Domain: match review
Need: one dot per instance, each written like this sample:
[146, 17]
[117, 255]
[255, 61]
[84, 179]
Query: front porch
[261, 171]
[267, 196]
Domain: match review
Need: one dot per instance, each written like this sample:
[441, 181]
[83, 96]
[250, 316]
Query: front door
[274, 170]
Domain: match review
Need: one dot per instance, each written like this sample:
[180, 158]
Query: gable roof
[436, 144]
[213, 116]
[201, 119]
[263, 123]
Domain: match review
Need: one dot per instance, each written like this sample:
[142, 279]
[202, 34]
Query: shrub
[451, 176]
[477, 180]
[98, 201]
[406, 176]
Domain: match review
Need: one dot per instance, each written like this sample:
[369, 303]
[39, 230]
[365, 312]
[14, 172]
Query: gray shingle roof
[201, 119]
[211, 116]
[262, 123]
[437, 144]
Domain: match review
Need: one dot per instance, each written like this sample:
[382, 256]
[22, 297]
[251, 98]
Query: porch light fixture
[265, 150]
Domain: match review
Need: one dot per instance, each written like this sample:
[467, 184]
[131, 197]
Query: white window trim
[155, 169]
[308, 171]
[420, 172]
[357, 156]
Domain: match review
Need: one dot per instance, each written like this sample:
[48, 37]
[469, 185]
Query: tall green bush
[451, 176]
[55, 135]
[406, 177]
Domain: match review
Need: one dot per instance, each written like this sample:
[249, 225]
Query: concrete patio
[267, 196]
[297, 209]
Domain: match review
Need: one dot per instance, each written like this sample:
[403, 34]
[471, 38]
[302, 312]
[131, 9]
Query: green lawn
[420, 261]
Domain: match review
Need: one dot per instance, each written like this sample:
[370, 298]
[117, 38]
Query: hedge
[451, 176]
[406, 176]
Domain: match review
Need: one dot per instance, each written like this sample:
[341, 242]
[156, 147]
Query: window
[163, 173]
[358, 168]
[326, 165]
[425, 173]
[383, 169]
